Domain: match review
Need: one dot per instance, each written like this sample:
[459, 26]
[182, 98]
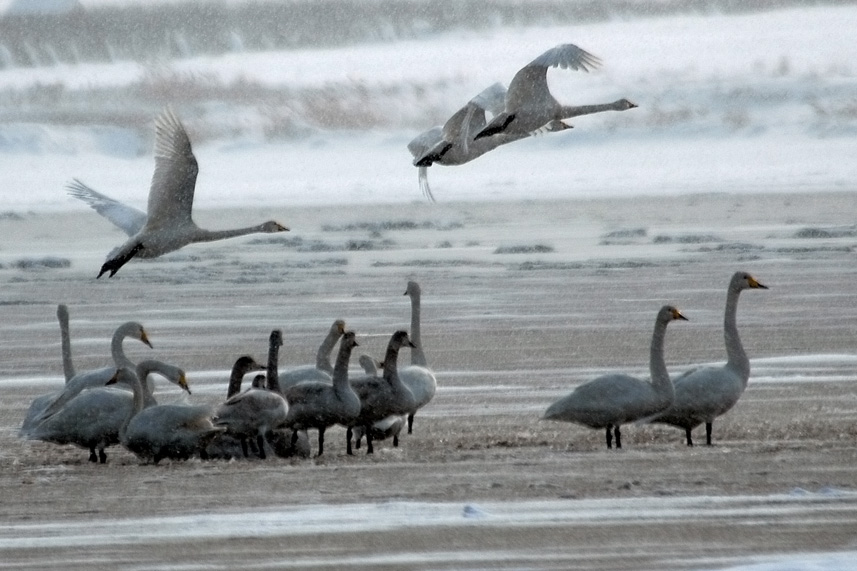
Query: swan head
[413, 288]
[245, 364]
[338, 327]
[182, 382]
[743, 280]
[669, 313]
[276, 338]
[349, 339]
[623, 105]
[144, 337]
[272, 226]
[400, 339]
[259, 382]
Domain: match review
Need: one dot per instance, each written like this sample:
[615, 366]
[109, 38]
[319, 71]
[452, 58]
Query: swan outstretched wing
[127, 218]
[567, 56]
[171, 193]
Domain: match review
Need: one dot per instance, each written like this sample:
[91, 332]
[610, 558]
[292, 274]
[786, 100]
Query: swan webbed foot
[114, 264]
[687, 435]
[411, 423]
[495, 129]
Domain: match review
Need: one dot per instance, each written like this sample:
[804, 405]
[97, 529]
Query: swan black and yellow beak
[677, 315]
[145, 339]
[281, 228]
[183, 383]
[755, 284]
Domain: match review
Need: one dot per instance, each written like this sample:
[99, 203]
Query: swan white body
[169, 223]
[47, 404]
[93, 418]
[385, 396]
[529, 104]
[251, 413]
[320, 405]
[616, 399]
[322, 370]
[418, 377]
[454, 143]
[703, 394]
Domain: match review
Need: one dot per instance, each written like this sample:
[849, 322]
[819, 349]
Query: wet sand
[482, 483]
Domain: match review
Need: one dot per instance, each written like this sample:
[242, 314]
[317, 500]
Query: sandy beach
[522, 301]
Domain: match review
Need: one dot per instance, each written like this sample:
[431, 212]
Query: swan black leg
[618, 437]
[609, 437]
[260, 442]
[244, 447]
[102, 456]
[708, 427]
[348, 434]
[92, 456]
[411, 423]
[395, 441]
[369, 448]
[687, 434]
[320, 441]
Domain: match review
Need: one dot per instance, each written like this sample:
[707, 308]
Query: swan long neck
[65, 338]
[569, 111]
[235, 379]
[137, 403]
[272, 372]
[322, 358]
[657, 365]
[116, 349]
[340, 371]
[391, 368]
[737, 357]
[202, 235]
[418, 357]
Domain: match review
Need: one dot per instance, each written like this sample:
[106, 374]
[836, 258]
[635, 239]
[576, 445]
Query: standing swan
[453, 144]
[169, 224]
[319, 405]
[251, 413]
[50, 403]
[703, 394]
[612, 400]
[380, 398]
[92, 419]
[418, 377]
[529, 103]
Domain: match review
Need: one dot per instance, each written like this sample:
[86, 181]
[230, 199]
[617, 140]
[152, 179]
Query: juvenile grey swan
[65, 342]
[281, 440]
[319, 405]
[704, 393]
[454, 143]
[92, 419]
[169, 223]
[126, 218]
[252, 413]
[616, 399]
[382, 397]
[418, 377]
[322, 370]
[50, 403]
[529, 104]
[175, 431]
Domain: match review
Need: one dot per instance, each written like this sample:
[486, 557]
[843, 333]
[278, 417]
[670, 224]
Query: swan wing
[126, 218]
[171, 193]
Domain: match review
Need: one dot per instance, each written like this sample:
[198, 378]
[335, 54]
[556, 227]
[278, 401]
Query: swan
[704, 393]
[92, 419]
[615, 399]
[166, 430]
[383, 429]
[280, 440]
[251, 413]
[126, 218]
[453, 144]
[418, 377]
[529, 104]
[169, 225]
[65, 340]
[322, 370]
[320, 405]
[382, 397]
[50, 403]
